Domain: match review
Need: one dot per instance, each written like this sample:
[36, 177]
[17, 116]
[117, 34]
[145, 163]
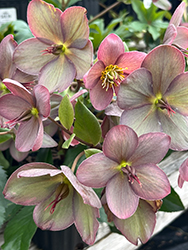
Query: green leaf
[72, 2]
[154, 31]
[44, 155]
[91, 151]
[3, 161]
[86, 125]
[67, 143]
[6, 137]
[140, 10]
[19, 230]
[66, 112]
[172, 202]
[3, 203]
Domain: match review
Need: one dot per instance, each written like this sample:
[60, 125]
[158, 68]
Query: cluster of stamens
[112, 76]
[55, 49]
[162, 104]
[131, 174]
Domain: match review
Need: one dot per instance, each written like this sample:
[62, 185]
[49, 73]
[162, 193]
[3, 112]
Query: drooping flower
[127, 168]
[28, 110]
[60, 50]
[59, 198]
[7, 66]
[154, 98]
[113, 65]
[175, 34]
[183, 173]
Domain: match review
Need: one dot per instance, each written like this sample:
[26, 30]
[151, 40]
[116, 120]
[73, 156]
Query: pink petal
[62, 216]
[42, 96]
[110, 49]
[85, 219]
[165, 63]
[184, 170]
[29, 56]
[94, 74]
[170, 34]
[96, 171]
[57, 74]
[163, 4]
[88, 195]
[144, 153]
[74, 25]
[178, 14]
[100, 97]
[182, 37]
[7, 48]
[121, 200]
[17, 155]
[154, 182]
[30, 191]
[81, 58]
[130, 61]
[44, 20]
[120, 143]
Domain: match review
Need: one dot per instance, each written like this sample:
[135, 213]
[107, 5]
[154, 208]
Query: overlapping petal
[42, 96]
[110, 49]
[120, 197]
[96, 171]
[120, 143]
[154, 182]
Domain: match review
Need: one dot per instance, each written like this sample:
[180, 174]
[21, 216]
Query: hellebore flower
[27, 109]
[175, 34]
[113, 65]
[59, 198]
[8, 68]
[183, 173]
[154, 98]
[127, 168]
[60, 50]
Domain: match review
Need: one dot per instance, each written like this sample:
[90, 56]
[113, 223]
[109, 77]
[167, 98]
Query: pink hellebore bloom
[113, 65]
[27, 109]
[59, 198]
[175, 34]
[183, 173]
[60, 50]
[127, 168]
[154, 97]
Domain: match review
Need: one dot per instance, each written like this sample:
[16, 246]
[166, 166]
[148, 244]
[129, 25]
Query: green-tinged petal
[85, 219]
[29, 56]
[181, 38]
[120, 197]
[57, 74]
[177, 93]
[144, 153]
[170, 34]
[61, 218]
[154, 182]
[13, 106]
[7, 48]
[165, 63]
[140, 225]
[143, 120]
[176, 126]
[120, 143]
[31, 190]
[44, 20]
[19, 90]
[178, 14]
[42, 96]
[75, 27]
[96, 170]
[81, 58]
[87, 193]
[136, 90]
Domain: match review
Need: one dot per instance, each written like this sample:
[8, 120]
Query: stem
[76, 161]
[6, 133]
[104, 12]
[77, 138]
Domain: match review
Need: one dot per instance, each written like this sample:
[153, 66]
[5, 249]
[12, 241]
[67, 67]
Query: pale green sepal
[91, 151]
[66, 112]
[86, 125]
[67, 143]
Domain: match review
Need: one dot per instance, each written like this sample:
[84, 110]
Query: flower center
[163, 104]
[112, 76]
[55, 49]
[61, 193]
[34, 112]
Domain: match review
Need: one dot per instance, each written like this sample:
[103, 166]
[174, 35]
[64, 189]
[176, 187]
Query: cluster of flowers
[148, 92]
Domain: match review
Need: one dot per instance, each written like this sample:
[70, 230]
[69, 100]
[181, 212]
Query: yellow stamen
[34, 112]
